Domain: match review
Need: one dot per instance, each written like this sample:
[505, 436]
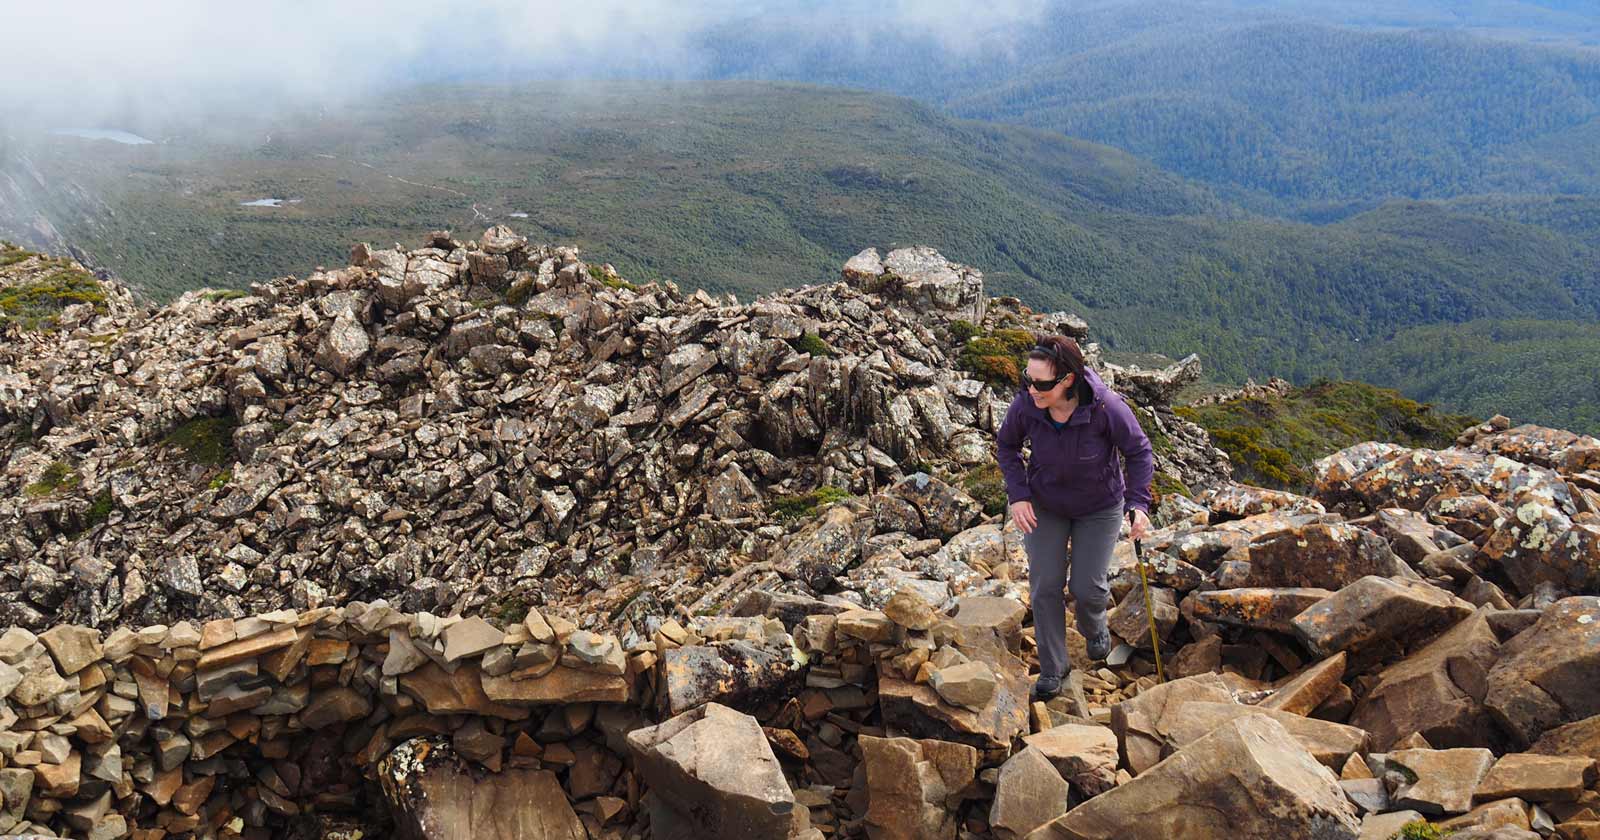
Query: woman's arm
[1139, 466]
[1008, 441]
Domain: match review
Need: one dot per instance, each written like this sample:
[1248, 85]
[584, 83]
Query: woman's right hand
[1022, 514]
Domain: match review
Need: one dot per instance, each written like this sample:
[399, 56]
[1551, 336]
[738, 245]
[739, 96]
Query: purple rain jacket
[1074, 472]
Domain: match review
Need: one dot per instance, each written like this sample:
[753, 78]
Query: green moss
[99, 509]
[1159, 441]
[220, 480]
[1421, 830]
[205, 440]
[813, 344]
[961, 331]
[58, 476]
[511, 606]
[806, 504]
[997, 357]
[988, 486]
[1167, 484]
[34, 304]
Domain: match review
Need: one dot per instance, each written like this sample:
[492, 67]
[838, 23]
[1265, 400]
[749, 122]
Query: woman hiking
[1072, 488]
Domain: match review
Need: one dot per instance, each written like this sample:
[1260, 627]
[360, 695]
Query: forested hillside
[750, 187]
[1265, 100]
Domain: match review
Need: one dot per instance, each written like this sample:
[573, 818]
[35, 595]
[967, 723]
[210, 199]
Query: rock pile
[483, 426]
[450, 470]
[1416, 680]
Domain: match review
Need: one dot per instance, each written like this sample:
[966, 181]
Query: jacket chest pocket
[1090, 447]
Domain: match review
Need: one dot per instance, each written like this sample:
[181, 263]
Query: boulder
[1140, 723]
[1320, 555]
[913, 786]
[1238, 501]
[435, 794]
[1028, 794]
[1437, 691]
[917, 709]
[1247, 779]
[1386, 826]
[1254, 608]
[712, 776]
[825, 547]
[1438, 781]
[970, 684]
[1546, 675]
[73, 647]
[927, 281]
[344, 346]
[910, 610]
[1376, 615]
[1412, 535]
[1537, 778]
[945, 510]
[1131, 623]
[1334, 473]
[1086, 756]
[1327, 742]
[1492, 819]
[1302, 693]
[735, 673]
[1579, 738]
[1408, 478]
[986, 623]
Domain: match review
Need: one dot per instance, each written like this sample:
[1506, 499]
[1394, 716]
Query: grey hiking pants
[1093, 537]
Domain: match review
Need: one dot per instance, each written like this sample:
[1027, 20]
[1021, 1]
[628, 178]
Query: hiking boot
[1045, 688]
[1099, 646]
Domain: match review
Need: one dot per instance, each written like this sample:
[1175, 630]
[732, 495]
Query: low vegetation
[813, 344]
[996, 357]
[205, 440]
[34, 303]
[805, 505]
[1274, 441]
[987, 485]
[58, 476]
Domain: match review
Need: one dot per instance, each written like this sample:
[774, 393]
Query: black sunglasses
[1042, 385]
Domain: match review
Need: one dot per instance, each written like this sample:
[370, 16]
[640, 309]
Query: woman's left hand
[1140, 526]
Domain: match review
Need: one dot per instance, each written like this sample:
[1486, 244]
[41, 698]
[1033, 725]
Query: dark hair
[1064, 357]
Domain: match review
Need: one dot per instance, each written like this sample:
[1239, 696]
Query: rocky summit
[479, 540]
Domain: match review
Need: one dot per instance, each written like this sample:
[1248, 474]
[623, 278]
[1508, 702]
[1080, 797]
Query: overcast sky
[82, 61]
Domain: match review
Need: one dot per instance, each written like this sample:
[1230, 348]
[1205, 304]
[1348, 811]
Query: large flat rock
[1246, 780]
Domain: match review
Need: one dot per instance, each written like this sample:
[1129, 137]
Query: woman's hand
[1138, 525]
[1022, 514]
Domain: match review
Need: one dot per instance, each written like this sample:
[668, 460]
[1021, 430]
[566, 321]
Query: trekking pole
[1149, 607]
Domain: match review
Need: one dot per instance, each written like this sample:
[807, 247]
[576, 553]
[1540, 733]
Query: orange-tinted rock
[1546, 675]
[435, 794]
[712, 776]
[444, 693]
[1319, 555]
[910, 782]
[1437, 691]
[1305, 691]
[1538, 778]
[1258, 608]
[1376, 615]
[1246, 779]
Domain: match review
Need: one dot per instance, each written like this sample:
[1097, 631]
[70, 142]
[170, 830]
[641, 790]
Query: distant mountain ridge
[750, 187]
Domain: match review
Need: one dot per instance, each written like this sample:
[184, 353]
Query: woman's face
[1061, 394]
